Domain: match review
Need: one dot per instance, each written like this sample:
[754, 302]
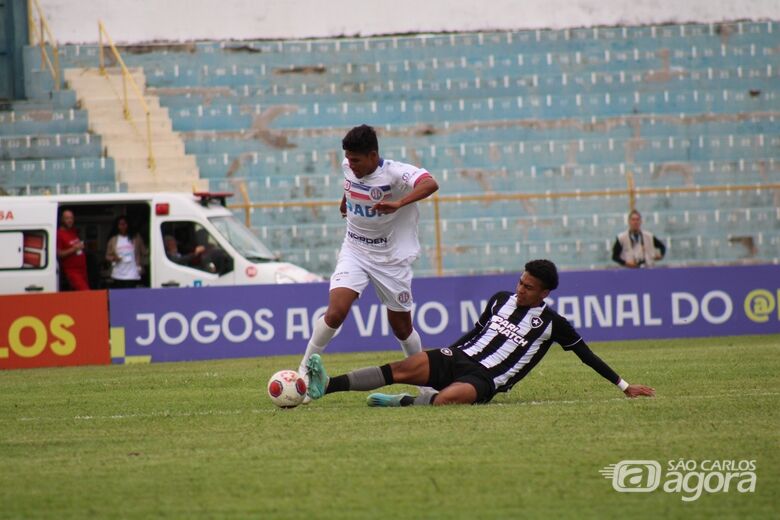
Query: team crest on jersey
[536, 322]
[446, 351]
[404, 297]
[347, 185]
[376, 193]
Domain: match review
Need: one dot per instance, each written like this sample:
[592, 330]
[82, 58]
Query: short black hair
[361, 139]
[544, 271]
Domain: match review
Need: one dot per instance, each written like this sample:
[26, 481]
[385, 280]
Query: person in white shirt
[380, 242]
[125, 251]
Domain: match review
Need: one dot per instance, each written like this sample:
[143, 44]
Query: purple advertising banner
[247, 321]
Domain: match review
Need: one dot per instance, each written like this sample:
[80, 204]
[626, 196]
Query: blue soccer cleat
[318, 378]
[386, 400]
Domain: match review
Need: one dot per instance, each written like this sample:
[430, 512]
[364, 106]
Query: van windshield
[247, 245]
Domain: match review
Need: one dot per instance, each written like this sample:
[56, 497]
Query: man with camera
[635, 247]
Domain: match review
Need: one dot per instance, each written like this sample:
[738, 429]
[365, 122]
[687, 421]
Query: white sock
[320, 338]
[413, 345]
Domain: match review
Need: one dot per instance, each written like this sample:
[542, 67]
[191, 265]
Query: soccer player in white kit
[380, 242]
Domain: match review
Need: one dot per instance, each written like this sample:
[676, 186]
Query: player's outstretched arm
[639, 390]
[588, 357]
[424, 188]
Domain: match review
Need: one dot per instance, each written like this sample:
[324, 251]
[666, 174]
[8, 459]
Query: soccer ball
[286, 389]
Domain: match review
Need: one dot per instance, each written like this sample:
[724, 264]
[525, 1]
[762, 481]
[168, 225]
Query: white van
[229, 254]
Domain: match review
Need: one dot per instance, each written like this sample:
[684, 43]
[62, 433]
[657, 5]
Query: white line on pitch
[273, 410]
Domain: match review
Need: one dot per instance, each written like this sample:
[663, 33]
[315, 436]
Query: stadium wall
[187, 324]
[174, 20]
[250, 321]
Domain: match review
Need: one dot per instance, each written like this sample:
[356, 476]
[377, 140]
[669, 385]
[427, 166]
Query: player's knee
[335, 317]
[441, 400]
[457, 393]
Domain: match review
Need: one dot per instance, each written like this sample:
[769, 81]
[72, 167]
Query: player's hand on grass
[639, 390]
[387, 206]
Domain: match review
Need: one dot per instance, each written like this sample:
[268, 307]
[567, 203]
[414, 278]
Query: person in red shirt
[70, 252]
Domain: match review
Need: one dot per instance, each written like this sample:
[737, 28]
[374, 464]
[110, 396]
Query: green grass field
[201, 440]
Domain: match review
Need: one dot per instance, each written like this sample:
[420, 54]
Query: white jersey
[388, 238]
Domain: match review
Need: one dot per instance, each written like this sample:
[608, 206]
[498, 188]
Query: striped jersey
[509, 340]
[386, 238]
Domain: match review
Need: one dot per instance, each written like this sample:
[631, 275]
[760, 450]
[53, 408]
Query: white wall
[176, 20]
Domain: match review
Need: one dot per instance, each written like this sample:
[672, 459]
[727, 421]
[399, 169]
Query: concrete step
[98, 103]
[95, 101]
[180, 182]
[185, 179]
[159, 137]
[165, 185]
[126, 141]
[160, 128]
[122, 149]
[103, 89]
[119, 132]
[186, 162]
[83, 76]
[117, 110]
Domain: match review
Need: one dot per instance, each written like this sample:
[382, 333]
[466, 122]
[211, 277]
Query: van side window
[26, 249]
[191, 245]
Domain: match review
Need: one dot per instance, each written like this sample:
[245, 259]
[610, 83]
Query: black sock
[338, 384]
[407, 400]
[388, 373]
[426, 399]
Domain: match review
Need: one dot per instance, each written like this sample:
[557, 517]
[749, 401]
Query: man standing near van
[70, 252]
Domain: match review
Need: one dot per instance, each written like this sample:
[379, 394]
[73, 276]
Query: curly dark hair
[361, 139]
[544, 271]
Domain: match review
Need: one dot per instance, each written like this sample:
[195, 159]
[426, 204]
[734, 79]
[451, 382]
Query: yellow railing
[631, 192]
[40, 35]
[127, 79]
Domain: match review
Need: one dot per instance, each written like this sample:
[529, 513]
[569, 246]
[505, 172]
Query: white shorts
[392, 282]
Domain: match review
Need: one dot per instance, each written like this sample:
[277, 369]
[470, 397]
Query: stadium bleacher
[45, 147]
[534, 112]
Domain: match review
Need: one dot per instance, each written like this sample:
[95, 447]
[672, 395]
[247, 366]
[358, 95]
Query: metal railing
[632, 192]
[40, 35]
[127, 79]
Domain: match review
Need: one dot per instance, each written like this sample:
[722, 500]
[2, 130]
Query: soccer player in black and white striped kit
[511, 336]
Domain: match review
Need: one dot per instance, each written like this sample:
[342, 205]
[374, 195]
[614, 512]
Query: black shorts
[449, 366]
